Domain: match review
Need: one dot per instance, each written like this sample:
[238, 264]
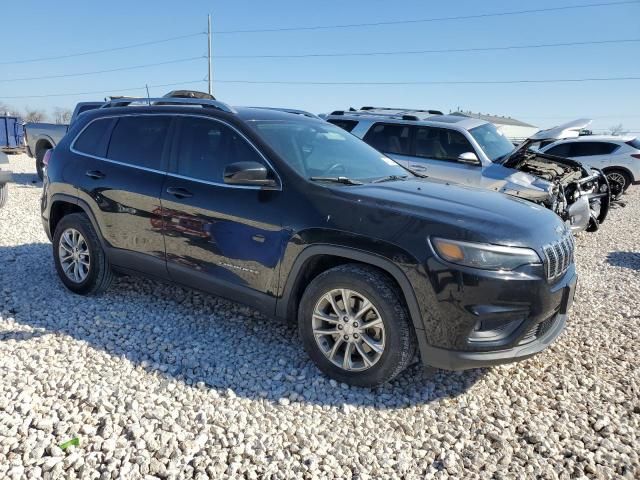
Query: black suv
[305, 222]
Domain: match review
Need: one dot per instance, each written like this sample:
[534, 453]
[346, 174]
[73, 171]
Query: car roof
[433, 120]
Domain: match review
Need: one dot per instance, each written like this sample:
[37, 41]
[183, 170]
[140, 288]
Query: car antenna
[148, 96]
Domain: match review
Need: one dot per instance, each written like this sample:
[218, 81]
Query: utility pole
[209, 54]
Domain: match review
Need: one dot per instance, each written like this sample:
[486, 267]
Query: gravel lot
[159, 381]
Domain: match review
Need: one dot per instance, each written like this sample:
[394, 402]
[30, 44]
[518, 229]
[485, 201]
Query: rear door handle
[179, 192]
[96, 174]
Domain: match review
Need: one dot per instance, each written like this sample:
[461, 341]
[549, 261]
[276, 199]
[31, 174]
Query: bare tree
[34, 115]
[61, 115]
[617, 130]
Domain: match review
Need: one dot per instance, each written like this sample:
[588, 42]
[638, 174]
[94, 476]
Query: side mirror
[248, 174]
[469, 158]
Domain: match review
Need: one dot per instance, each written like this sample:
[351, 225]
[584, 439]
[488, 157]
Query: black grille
[538, 330]
[558, 256]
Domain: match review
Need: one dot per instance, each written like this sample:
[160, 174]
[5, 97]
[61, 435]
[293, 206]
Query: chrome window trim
[170, 174]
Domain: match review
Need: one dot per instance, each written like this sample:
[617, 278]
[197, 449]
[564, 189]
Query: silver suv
[474, 152]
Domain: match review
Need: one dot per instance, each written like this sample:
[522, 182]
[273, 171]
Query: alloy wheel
[348, 329]
[73, 253]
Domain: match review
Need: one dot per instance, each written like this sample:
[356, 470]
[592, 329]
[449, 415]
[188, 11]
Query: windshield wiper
[391, 178]
[343, 180]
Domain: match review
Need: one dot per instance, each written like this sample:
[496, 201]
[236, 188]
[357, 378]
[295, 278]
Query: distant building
[513, 129]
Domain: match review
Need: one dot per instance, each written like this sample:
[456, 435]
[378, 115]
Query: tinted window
[584, 149]
[321, 149]
[389, 138]
[94, 139]
[635, 143]
[139, 140]
[347, 125]
[441, 143]
[206, 147]
[561, 150]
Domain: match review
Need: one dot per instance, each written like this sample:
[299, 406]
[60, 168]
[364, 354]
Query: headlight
[485, 256]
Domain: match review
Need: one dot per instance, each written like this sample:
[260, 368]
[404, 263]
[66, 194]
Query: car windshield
[318, 149]
[494, 144]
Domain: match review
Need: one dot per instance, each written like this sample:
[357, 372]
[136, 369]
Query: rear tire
[620, 177]
[4, 193]
[377, 353]
[40, 162]
[78, 256]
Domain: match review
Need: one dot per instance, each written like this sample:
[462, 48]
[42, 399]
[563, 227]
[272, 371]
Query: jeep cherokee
[304, 221]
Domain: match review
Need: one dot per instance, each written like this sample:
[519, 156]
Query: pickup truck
[40, 137]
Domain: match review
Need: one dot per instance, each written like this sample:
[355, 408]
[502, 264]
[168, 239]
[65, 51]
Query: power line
[65, 75]
[447, 50]
[436, 82]
[127, 89]
[426, 20]
[93, 52]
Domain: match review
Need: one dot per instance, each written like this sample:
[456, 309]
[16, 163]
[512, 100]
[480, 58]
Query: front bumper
[480, 318]
[455, 360]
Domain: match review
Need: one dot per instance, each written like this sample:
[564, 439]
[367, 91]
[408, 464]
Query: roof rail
[408, 110]
[127, 101]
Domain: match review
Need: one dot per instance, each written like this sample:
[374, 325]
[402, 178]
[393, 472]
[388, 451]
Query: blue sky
[33, 29]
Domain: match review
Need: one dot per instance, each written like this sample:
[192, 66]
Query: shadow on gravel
[26, 179]
[189, 337]
[629, 260]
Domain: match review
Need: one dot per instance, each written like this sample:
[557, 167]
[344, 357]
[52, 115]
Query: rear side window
[206, 147]
[389, 138]
[585, 149]
[139, 141]
[347, 125]
[441, 143]
[94, 139]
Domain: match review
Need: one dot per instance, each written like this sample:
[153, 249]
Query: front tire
[619, 181]
[355, 327]
[78, 256]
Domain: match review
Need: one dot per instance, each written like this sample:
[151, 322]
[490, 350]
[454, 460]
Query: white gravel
[163, 382]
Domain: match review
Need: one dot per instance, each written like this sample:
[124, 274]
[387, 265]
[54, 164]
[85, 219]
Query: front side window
[94, 138]
[492, 141]
[206, 147]
[561, 150]
[635, 143]
[441, 143]
[389, 138]
[319, 149]
[139, 140]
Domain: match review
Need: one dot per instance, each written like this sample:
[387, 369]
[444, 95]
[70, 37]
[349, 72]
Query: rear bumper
[456, 360]
[5, 177]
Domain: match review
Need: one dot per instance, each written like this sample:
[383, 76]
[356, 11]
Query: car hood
[460, 212]
[566, 130]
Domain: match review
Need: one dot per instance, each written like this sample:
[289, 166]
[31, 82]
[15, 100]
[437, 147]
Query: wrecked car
[474, 152]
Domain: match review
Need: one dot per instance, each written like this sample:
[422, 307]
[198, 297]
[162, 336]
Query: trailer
[11, 134]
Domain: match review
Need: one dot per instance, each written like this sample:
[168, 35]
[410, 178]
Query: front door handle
[179, 192]
[95, 174]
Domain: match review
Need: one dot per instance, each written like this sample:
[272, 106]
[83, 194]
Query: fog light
[603, 188]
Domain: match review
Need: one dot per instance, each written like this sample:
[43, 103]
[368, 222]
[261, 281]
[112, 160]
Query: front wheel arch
[286, 306]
